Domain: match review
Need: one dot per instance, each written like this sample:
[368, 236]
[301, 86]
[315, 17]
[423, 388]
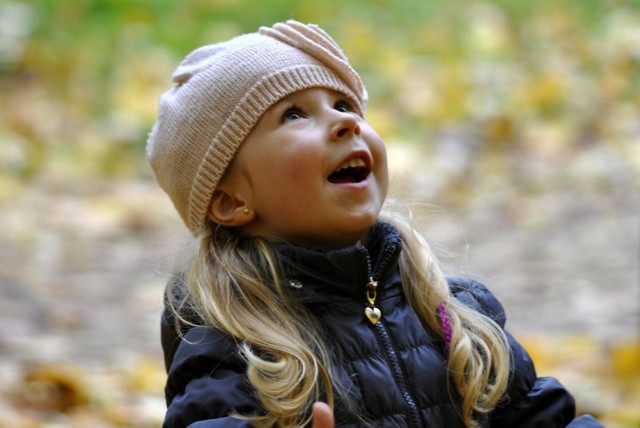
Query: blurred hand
[322, 415]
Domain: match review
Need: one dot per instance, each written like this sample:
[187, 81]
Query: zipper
[373, 313]
[397, 371]
[374, 316]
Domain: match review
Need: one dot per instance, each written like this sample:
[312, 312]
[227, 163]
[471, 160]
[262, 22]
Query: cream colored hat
[222, 91]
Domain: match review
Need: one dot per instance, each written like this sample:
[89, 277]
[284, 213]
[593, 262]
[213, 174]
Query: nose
[344, 127]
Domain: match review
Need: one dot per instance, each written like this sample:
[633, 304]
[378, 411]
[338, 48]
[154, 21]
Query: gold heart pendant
[373, 314]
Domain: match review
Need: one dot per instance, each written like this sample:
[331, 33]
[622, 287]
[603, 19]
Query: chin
[366, 219]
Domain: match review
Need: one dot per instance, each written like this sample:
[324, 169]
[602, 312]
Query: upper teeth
[352, 163]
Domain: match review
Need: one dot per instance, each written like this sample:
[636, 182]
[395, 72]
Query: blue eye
[343, 107]
[292, 113]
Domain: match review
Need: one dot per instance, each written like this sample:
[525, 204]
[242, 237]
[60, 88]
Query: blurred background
[513, 128]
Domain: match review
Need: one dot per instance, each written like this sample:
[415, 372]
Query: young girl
[297, 291]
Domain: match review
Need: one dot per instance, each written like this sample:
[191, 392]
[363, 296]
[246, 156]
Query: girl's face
[315, 171]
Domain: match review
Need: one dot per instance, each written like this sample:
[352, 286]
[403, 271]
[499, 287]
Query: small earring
[246, 210]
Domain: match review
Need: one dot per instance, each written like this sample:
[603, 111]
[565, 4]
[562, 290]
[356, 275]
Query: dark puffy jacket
[394, 372]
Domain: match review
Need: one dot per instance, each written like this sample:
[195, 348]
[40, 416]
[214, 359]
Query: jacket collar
[321, 275]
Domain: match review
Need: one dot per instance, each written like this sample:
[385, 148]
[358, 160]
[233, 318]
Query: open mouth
[352, 171]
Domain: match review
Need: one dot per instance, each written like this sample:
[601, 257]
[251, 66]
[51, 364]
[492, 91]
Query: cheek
[300, 165]
[380, 157]
[288, 177]
[293, 172]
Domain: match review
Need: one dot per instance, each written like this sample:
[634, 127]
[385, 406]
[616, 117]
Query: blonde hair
[479, 355]
[233, 284]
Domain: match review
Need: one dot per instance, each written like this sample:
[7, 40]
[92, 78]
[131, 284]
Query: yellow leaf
[53, 387]
[146, 375]
[625, 360]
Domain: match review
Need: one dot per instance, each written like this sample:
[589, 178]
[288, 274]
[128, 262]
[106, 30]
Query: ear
[229, 210]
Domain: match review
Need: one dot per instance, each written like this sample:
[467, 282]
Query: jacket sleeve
[206, 383]
[530, 401]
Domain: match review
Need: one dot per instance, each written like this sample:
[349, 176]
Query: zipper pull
[371, 312]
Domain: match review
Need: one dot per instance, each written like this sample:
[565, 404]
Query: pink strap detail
[446, 323]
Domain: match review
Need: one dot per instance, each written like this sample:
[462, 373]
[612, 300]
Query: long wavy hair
[233, 283]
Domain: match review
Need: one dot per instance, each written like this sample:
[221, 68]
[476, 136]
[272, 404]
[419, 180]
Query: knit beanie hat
[221, 92]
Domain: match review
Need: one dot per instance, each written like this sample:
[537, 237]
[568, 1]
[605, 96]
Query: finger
[322, 415]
